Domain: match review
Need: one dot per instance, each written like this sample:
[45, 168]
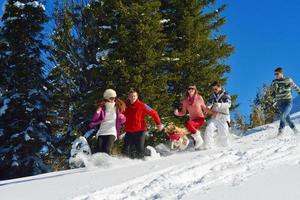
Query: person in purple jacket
[108, 119]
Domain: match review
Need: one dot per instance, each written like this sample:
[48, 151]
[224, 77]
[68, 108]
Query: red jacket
[135, 116]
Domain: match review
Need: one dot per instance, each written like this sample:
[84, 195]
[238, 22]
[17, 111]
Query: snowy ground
[257, 166]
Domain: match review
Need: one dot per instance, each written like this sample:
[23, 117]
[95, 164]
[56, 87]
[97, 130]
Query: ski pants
[134, 144]
[193, 125]
[216, 126]
[106, 143]
[285, 107]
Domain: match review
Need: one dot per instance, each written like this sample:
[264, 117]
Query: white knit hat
[109, 93]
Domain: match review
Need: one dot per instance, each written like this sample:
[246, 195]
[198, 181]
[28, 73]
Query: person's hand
[176, 112]
[213, 113]
[99, 109]
[160, 127]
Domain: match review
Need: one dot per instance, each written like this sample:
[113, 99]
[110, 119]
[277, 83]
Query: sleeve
[152, 113]
[183, 111]
[96, 119]
[226, 103]
[293, 85]
[122, 118]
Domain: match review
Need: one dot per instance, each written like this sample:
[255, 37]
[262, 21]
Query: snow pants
[105, 143]
[216, 126]
[134, 144]
[193, 125]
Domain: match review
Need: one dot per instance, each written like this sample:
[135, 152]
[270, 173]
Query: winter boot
[198, 141]
[296, 131]
[280, 132]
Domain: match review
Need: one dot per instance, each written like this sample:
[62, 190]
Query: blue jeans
[285, 107]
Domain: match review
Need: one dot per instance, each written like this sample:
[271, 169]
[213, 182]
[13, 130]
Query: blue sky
[265, 34]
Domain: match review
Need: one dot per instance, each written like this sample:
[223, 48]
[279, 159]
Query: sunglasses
[276, 74]
[191, 88]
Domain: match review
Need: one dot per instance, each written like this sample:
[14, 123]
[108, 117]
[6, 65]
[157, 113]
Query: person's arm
[122, 118]
[96, 118]
[224, 107]
[206, 108]
[183, 111]
[152, 113]
[293, 85]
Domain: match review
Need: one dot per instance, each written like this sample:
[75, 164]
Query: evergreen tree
[263, 110]
[195, 48]
[24, 137]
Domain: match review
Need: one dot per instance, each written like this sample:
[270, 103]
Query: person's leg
[108, 143]
[282, 109]
[289, 106]
[100, 144]
[223, 132]
[127, 144]
[193, 125]
[210, 133]
[140, 144]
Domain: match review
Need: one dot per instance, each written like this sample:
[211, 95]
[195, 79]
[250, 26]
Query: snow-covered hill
[257, 166]
[296, 106]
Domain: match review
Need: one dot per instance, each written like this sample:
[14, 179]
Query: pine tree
[263, 110]
[195, 48]
[136, 61]
[24, 137]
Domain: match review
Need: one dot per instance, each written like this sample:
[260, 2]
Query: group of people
[112, 113]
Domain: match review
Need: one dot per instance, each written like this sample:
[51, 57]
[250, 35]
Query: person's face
[191, 91]
[133, 97]
[278, 75]
[217, 89]
[111, 99]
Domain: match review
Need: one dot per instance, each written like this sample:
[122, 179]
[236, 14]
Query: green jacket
[282, 89]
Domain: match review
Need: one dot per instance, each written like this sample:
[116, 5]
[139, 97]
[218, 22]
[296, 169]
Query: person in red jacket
[135, 125]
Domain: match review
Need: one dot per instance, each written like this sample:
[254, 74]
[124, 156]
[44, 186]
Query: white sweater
[108, 125]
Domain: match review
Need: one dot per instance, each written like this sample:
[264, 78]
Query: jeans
[285, 107]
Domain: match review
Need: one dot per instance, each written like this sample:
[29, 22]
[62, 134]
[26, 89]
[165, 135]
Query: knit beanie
[109, 93]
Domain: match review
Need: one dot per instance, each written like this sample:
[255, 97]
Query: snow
[105, 27]
[34, 4]
[5, 106]
[163, 21]
[257, 166]
[19, 4]
[91, 66]
[101, 55]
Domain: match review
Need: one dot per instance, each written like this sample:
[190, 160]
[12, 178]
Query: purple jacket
[99, 116]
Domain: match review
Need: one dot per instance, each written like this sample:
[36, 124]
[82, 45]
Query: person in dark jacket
[219, 102]
[135, 125]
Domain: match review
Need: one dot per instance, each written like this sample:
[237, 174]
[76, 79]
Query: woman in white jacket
[219, 102]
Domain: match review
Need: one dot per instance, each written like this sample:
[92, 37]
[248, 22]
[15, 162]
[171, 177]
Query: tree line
[51, 80]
